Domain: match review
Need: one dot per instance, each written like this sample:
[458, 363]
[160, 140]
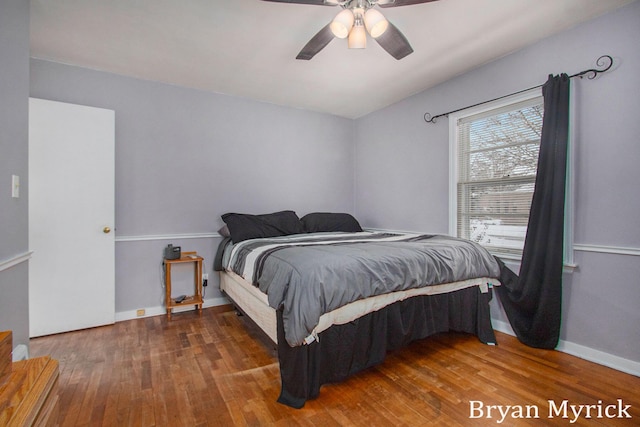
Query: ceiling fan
[356, 15]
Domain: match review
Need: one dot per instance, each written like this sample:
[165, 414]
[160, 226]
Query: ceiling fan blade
[317, 43]
[394, 42]
[314, 2]
[398, 3]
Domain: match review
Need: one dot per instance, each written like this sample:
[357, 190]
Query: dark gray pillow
[326, 222]
[246, 226]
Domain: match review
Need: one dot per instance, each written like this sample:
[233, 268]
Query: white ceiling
[247, 48]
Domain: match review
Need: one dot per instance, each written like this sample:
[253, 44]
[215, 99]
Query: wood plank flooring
[217, 370]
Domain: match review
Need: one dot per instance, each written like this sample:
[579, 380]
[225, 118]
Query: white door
[71, 217]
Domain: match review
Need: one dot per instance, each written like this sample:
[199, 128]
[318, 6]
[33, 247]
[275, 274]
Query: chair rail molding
[618, 250]
[148, 237]
[18, 259]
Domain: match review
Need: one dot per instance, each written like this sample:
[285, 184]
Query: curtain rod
[590, 73]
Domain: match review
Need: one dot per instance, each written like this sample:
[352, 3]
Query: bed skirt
[343, 350]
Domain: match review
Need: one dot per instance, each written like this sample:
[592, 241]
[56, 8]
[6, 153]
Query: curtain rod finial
[605, 61]
[428, 118]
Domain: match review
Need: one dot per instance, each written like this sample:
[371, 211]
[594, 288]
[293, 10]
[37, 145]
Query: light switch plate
[15, 186]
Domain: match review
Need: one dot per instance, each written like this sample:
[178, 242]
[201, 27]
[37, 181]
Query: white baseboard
[503, 327]
[160, 310]
[583, 352]
[21, 352]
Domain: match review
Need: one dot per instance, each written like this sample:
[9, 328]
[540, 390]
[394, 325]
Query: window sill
[516, 261]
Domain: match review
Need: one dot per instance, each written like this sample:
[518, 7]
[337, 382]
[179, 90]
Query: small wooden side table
[195, 299]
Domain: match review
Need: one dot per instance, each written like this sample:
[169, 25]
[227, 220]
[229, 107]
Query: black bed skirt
[344, 350]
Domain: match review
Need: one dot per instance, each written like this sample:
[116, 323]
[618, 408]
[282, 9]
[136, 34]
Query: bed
[335, 298]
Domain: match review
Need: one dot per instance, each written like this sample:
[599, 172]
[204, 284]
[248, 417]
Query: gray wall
[402, 168]
[184, 157]
[14, 113]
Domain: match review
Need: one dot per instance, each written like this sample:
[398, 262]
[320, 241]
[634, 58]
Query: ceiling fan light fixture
[375, 22]
[356, 21]
[342, 24]
[357, 36]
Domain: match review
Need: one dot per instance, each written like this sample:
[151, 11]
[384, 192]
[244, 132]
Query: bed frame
[349, 341]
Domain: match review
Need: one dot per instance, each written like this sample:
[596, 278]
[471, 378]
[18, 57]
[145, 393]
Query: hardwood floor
[216, 370]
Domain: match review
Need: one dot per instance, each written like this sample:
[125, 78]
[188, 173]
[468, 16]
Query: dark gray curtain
[533, 300]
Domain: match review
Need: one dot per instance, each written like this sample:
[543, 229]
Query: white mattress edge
[266, 315]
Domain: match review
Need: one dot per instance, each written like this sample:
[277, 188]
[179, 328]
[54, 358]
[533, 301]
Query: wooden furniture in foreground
[29, 393]
[5, 355]
[196, 298]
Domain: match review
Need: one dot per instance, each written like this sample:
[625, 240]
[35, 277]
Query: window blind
[497, 162]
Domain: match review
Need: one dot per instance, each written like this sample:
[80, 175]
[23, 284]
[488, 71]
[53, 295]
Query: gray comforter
[308, 275]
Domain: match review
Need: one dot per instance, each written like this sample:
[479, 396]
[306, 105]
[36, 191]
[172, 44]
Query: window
[494, 159]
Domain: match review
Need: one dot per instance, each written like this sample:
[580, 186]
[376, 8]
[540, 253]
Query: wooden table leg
[167, 284]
